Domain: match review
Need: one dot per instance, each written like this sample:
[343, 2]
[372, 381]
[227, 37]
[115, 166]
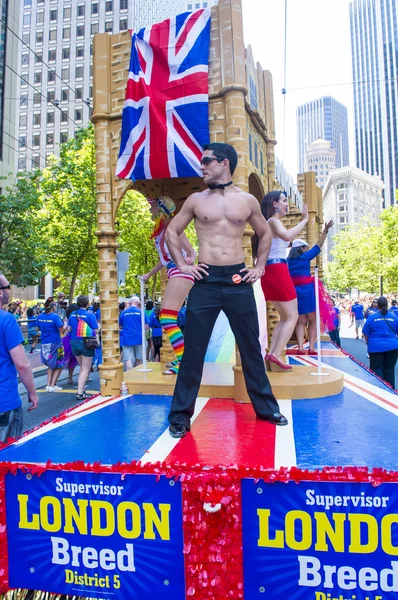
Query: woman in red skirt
[276, 282]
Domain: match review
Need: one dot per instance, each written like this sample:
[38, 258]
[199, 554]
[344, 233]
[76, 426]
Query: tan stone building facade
[241, 113]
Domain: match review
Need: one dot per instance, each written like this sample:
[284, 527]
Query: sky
[318, 60]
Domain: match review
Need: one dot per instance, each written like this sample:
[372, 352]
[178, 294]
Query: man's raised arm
[177, 225]
[261, 227]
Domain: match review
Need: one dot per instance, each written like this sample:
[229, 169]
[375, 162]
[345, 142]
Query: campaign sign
[320, 541]
[101, 535]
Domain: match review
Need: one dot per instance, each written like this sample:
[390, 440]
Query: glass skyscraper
[374, 45]
[324, 118]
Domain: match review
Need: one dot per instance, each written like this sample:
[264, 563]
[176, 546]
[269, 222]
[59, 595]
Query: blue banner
[320, 541]
[98, 535]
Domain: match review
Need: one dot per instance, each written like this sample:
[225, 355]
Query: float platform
[336, 431]
[218, 382]
[215, 515]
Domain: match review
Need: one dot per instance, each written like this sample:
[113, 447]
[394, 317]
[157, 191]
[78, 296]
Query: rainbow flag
[83, 330]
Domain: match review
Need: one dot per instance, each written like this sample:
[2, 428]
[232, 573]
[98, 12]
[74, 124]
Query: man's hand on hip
[252, 274]
[196, 271]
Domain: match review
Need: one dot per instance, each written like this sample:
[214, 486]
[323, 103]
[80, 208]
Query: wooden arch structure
[240, 113]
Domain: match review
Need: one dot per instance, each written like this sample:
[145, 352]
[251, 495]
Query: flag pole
[318, 326]
[143, 338]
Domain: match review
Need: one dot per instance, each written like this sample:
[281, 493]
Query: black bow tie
[219, 186]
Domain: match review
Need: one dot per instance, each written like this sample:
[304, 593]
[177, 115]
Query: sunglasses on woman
[5, 287]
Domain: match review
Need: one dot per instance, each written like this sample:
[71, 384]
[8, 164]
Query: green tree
[389, 230]
[356, 259]
[22, 245]
[69, 193]
[135, 225]
[363, 253]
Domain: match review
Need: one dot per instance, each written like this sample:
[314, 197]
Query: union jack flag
[165, 120]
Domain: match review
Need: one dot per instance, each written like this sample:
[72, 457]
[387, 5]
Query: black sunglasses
[206, 160]
[5, 287]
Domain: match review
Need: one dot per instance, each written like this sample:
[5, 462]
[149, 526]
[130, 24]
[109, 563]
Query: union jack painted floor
[355, 428]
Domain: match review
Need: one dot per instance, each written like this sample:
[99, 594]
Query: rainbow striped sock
[168, 319]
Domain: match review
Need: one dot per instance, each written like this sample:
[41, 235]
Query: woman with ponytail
[179, 284]
[276, 282]
[380, 332]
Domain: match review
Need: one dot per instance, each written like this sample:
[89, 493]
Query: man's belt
[275, 261]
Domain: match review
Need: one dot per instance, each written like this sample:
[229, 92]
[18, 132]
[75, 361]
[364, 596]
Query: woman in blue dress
[298, 261]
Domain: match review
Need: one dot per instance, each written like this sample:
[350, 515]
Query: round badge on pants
[236, 278]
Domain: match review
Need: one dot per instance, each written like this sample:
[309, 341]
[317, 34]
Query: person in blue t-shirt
[82, 323]
[371, 309]
[394, 307]
[156, 328]
[33, 334]
[97, 361]
[51, 326]
[335, 333]
[357, 315]
[122, 306]
[182, 316]
[13, 360]
[380, 332]
[148, 335]
[130, 325]
[70, 359]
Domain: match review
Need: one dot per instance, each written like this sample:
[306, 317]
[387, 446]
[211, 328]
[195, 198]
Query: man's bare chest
[211, 213]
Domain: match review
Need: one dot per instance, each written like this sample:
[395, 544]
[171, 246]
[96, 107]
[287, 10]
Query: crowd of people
[51, 328]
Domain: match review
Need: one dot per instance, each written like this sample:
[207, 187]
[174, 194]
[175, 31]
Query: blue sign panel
[98, 535]
[320, 541]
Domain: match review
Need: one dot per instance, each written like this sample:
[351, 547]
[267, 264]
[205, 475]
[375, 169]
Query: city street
[52, 403]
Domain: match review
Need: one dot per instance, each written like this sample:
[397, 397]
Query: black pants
[335, 336]
[206, 299]
[157, 344]
[383, 364]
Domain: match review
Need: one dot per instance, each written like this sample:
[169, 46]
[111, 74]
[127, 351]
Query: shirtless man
[222, 282]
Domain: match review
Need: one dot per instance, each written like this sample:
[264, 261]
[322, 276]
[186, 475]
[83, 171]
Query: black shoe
[178, 431]
[276, 419]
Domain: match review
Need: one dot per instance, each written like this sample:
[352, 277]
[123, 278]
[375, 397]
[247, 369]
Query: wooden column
[111, 370]
[311, 199]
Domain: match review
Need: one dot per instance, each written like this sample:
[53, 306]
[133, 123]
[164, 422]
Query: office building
[9, 14]
[195, 5]
[374, 45]
[324, 118]
[55, 64]
[321, 158]
[349, 195]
